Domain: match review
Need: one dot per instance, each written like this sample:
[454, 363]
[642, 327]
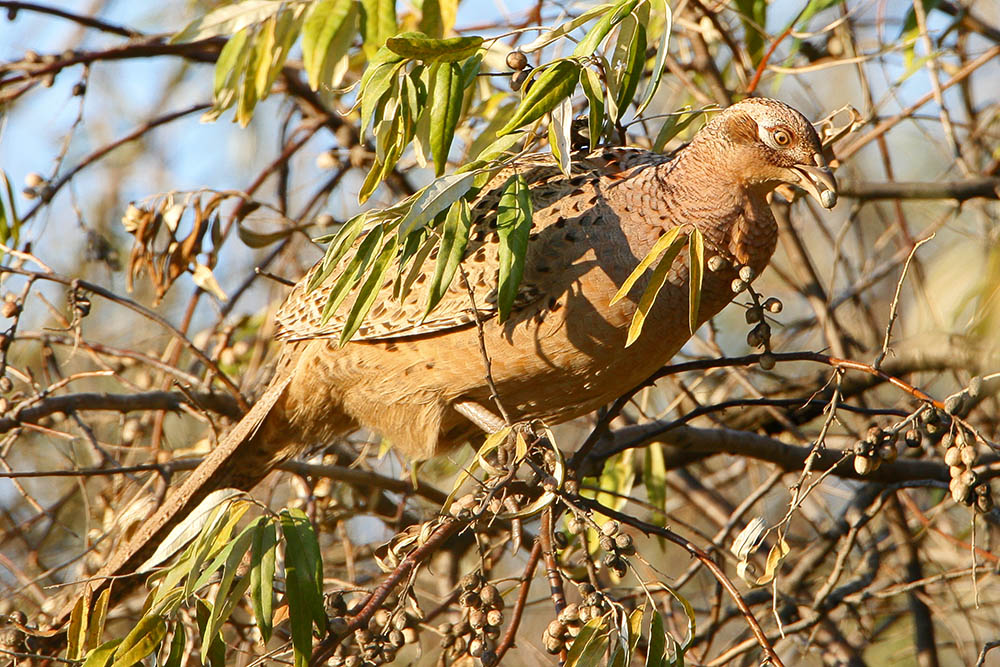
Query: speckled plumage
[561, 353]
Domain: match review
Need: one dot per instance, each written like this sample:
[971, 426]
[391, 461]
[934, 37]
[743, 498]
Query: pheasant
[420, 381]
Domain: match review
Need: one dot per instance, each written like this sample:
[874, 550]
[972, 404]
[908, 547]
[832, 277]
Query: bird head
[776, 144]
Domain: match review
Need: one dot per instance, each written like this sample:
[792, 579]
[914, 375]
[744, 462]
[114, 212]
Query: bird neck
[705, 191]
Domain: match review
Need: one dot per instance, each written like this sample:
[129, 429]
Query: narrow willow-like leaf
[549, 36]
[262, 561]
[656, 282]
[340, 243]
[280, 32]
[418, 46]
[227, 595]
[451, 250]
[376, 87]
[213, 538]
[589, 633]
[661, 54]
[356, 268]
[594, 91]
[175, 658]
[303, 582]
[556, 83]
[559, 134]
[431, 21]
[246, 98]
[369, 290]
[588, 45]
[654, 478]
[657, 641]
[228, 69]
[12, 221]
[513, 226]
[228, 19]
[434, 198]
[411, 263]
[101, 655]
[379, 23]
[635, 629]
[593, 654]
[76, 635]
[696, 270]
[141, 641]
[95, 627]
[445, 111]
[666, 241]
[633, 62]
[322, 37]
[217, 647]
[674, 125]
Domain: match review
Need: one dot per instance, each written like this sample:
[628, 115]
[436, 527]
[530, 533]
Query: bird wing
[301, 315]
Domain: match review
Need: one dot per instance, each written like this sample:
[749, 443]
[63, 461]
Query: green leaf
[326, 36]
[228, 19]
[594, 633]
[213, 538]
[673, 126]
[431, 21]
[246, 98]
[753, 14]
[666, 241]
[656, 282]
[227, 596]
[378, 23]
[279, 33]
[513, 226]
[340, 243]
[175, 658]
[353, 273]
[377, 87]
[101, 655]
[594, 91]
[95, 627]
[228, 70]
[559, 134]
[77, 632]
[696, 270]
[661, 54]
[303, 582]
[445, 111]
[434, 198]
[262, 559]
[418, 46]
[549, 36]
[612, 17]
[654, 478]
[451, 250]
[418, 246]
[217, 647]
[369, 290]
[657, 641]
[630, 60]
[10, 228]
[557, 82]
[141, 641]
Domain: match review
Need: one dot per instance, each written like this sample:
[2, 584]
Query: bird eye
[781, 137]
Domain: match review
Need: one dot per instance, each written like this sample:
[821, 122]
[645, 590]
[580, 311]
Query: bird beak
[817, 180]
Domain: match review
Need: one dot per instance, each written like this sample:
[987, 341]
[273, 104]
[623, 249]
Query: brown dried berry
[767, 361]
[517, 60]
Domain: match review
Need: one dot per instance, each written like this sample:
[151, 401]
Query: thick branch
[988, 188]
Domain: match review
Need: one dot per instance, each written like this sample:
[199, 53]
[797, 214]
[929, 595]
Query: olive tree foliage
[809, 483]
